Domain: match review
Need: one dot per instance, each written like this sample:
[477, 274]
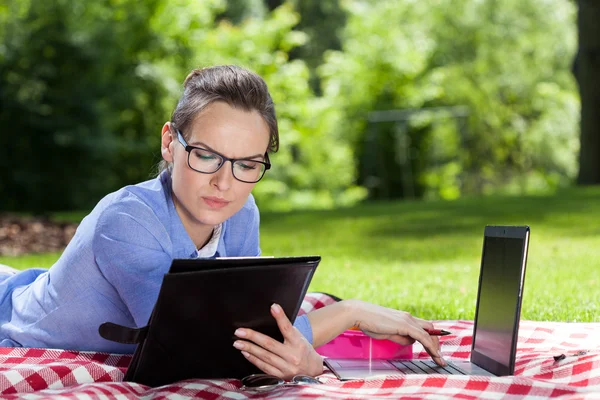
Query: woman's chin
[212, 217]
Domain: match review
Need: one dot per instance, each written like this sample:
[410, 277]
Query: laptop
[497, 315]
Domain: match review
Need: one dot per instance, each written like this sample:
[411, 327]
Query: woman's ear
[167, 142]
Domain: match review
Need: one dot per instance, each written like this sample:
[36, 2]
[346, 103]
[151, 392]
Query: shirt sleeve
[303, 325]
[128, 249]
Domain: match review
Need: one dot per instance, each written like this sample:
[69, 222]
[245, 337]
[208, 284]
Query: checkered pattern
[44, 373]
[313, 301]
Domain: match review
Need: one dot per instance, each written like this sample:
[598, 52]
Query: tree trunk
[587, 73]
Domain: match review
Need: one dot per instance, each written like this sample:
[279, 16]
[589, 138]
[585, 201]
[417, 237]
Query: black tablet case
[201, 303]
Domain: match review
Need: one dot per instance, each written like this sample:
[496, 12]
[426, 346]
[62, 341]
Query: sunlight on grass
[44, 260]
[424, 257]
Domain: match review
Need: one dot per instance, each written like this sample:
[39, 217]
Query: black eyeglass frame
[188, 149]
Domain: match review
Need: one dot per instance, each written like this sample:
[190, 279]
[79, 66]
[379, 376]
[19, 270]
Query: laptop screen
[499, 301]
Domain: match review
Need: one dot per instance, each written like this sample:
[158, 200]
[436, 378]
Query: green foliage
[77, 100]
[85, 88]
[322, 22]
[314, 167]
[508, 62]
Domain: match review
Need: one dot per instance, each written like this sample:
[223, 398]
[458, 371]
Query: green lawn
[424, 257]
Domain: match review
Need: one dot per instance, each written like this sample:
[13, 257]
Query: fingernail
[246, 354]
[276, 308]
[238, 345]
[240, 332]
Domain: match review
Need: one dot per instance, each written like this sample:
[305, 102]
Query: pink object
[355, 344]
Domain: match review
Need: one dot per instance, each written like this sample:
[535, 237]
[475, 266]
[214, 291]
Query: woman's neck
[205, 241]
[199, 233]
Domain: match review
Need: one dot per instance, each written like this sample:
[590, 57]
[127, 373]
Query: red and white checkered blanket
[45, 373]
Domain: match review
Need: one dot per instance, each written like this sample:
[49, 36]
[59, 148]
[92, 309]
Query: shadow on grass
[568, 212]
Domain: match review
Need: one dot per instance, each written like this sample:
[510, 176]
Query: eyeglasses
[208, 162]
[264, 382]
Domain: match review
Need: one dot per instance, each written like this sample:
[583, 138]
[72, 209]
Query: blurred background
[376, 99]
[406, 127]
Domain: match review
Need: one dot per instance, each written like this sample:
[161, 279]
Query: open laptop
[497, 316]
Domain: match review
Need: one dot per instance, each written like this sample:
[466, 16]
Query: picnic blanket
[574, 374]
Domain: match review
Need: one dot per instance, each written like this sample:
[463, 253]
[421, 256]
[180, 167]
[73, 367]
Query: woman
[214, 150]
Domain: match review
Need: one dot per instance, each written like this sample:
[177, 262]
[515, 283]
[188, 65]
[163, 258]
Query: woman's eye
[247, 165]
[205, 156]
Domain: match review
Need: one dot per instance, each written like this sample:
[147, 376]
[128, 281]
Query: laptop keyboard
[410, 367]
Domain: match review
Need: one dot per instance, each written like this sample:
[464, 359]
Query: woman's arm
[376, 321]
[328, 322]
[129, 249]
[296, 356]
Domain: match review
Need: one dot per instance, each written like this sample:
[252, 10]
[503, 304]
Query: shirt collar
[210, 248]
[183, 246]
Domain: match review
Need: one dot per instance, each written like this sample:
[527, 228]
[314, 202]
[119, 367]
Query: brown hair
[238, 87]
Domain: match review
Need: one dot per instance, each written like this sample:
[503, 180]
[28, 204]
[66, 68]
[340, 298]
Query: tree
[85, 89]
[587, 72]
[314, 167]
[78, 97]
[508, 61]
[321, 21]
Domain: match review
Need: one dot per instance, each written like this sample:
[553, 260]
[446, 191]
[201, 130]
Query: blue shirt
[112, 270]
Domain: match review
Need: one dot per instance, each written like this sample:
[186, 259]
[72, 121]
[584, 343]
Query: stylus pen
[437, 332]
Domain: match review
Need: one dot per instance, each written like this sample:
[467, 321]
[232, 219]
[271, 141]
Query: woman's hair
[238, 87]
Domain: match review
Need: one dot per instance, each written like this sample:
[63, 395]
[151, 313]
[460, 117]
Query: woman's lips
[215, 202]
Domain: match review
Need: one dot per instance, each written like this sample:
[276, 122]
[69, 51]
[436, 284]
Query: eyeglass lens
[208, 162]
[263, 381]
[259, 380]
[306, 380]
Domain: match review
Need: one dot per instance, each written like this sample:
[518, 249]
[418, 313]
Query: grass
[424, 257]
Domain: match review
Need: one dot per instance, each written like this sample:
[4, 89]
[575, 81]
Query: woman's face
[205, 200]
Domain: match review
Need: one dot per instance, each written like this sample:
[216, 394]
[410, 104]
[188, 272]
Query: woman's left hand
[295, 356]
[395, 325]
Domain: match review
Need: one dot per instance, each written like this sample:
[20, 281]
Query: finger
[263, 366]
[262, 340]
[285, 326]
[260, 357]
[430, 345]
[436, 341]
[438, 360]
[429, 325]
[436, 356]
[415, 332]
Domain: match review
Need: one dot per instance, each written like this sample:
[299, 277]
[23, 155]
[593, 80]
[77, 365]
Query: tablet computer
[201, 303]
